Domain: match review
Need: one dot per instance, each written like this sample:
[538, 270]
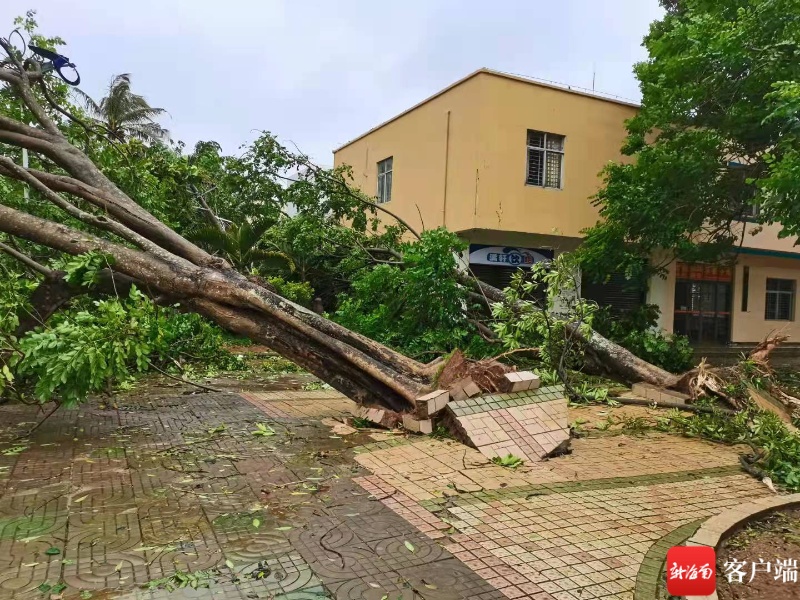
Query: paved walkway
[123, 503]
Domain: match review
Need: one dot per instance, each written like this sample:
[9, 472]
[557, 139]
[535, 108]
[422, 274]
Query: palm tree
[125, 114]
[241, 245]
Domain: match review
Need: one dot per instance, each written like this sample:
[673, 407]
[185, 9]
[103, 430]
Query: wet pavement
[255, 503]
[253, 496]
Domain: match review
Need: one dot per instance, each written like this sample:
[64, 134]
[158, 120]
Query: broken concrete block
[766, 401]
[384, 418]
[471, 388]
[532, 378]
[657, 394]
[432, 403]
[424, 426]
[648, 391]
[457, 393]
[673, 396]
[519, 382]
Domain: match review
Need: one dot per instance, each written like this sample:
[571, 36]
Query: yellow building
[510, 164]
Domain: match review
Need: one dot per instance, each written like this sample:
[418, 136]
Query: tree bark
[382, 379]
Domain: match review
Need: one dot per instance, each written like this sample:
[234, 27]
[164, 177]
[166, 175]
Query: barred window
[545, 159]
[780, 300]
[385, 180]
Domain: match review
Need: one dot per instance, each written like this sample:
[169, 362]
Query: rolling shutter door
[619, 293]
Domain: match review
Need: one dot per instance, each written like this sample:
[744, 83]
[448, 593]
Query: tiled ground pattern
[569, 528]
[528, 425]
[131, 496]
[301, 404]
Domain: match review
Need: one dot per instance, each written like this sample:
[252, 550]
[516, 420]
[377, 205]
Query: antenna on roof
[594, 74]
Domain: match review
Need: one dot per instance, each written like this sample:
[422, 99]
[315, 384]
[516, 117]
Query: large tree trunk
[147, 251]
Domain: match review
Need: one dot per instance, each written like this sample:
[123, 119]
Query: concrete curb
[716, 529]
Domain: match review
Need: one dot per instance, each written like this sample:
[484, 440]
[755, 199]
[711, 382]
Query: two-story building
[510, 164]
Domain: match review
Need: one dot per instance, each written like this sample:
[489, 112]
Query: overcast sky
[320, 72]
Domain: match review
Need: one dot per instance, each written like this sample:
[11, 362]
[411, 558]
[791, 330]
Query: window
[545, 159]
[745, 207]
[745, 287]
[385, 180]
[780, 300]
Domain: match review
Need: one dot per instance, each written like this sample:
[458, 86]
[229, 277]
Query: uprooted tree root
[723, 383]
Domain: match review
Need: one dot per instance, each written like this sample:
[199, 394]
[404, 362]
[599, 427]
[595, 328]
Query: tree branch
[27, 261]
[101, 222]
[23, 86]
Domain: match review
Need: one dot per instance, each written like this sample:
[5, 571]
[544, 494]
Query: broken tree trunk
[610, 357]
[147, 251]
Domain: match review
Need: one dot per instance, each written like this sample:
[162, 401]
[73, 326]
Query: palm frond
[141, 114]
[250, 234]
[88, 102]
[209, 238]
[147, 132]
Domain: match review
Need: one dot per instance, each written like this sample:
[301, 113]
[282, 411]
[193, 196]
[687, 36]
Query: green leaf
[229, 564]
[410, 546]
[52, 551]
[256, 523]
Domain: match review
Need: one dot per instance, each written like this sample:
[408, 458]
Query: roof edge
[528, 80]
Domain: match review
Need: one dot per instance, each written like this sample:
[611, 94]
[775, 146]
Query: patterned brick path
[129, 497]
[109, 502]
[570, 528]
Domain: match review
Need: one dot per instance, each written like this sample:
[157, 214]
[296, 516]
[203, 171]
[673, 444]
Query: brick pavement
[113, 503]
[130, 497]
[570, 528]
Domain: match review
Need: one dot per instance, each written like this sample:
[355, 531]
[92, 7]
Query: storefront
[496, 265]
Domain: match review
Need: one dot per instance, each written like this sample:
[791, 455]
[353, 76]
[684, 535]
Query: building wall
[746, 326]
[460, 160]
[766, 238]
[422, 153]
[486, 157]
[750, 326]
[661, 292]
[594, 131]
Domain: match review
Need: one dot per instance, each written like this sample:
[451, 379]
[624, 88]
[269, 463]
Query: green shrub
[417, 308]
[301, 293]
[637, 331]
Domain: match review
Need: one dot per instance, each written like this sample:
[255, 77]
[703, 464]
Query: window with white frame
[780, 300]
[385, 180]
[545, 159]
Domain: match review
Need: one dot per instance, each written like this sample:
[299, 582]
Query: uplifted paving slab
[530, 424]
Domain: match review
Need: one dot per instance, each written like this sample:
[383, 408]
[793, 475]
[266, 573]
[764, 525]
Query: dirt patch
[762, 543]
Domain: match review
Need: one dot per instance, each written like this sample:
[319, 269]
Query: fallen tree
[146, 252]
